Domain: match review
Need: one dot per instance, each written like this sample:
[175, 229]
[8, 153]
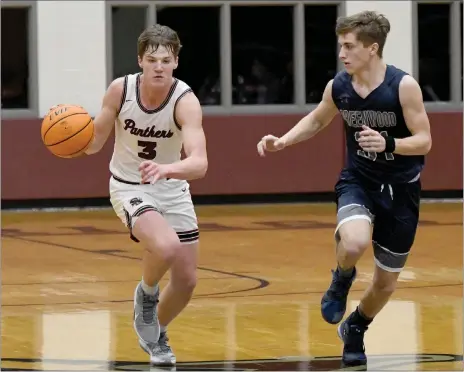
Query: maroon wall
[30, 171]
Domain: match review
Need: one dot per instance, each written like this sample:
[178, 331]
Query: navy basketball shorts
[393, 210]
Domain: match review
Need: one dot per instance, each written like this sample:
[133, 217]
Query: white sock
[163, 329]
[149, 290]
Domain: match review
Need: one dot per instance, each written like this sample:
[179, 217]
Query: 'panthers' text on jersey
[381, 110]
[142, 134]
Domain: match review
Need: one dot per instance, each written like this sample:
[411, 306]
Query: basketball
[67, 130]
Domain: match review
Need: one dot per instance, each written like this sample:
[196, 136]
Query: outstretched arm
[306, 128]
[315, 121]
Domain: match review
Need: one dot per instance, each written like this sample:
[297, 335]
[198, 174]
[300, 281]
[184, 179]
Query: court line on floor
[428, 286]
[102, 281]
[254, 226]
[262, 283]
[382, 362]
[207, 296]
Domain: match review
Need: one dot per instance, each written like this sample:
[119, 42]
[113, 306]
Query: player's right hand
[270, 143]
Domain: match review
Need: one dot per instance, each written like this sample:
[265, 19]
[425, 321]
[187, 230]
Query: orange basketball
[67, 130]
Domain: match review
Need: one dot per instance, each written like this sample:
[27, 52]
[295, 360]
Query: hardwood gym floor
[68, 281]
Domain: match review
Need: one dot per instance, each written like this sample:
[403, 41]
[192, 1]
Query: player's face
[158, 65]
[353, 53]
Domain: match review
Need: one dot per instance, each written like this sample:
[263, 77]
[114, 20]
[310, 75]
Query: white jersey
[142, 134]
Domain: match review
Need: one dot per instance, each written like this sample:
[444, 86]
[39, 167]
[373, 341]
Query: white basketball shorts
[171, 198]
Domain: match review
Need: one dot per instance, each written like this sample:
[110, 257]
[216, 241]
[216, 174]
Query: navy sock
[345, 273]
[358, 318]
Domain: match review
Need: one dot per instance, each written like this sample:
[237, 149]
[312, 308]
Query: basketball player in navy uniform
[154, 115]
[387, 135]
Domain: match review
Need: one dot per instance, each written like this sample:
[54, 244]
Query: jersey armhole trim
[124, 94]
[175, 105]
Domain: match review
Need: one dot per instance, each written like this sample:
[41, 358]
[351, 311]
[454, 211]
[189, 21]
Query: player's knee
[184, 281]
[184, 271]
[165, 245]
[384, 287]
[354, 242]
[162, 250]
[189, 283]
[385, 281]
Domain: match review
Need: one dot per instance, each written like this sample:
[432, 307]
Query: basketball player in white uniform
[154, 115]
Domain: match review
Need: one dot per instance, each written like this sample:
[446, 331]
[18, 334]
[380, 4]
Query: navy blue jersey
[380, 110]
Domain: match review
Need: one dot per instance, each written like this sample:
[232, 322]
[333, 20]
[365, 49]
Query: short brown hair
[157, 35]
[369, 26]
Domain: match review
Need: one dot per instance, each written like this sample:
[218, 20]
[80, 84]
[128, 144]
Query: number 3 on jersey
[148, 150]
[373, 155]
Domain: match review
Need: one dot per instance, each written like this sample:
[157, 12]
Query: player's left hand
[152, 172]
[371, 140]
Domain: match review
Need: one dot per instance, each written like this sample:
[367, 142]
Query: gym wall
[72, 59]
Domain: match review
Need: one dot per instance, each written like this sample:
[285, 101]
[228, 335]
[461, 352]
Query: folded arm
[417, 121]
[189, 116]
